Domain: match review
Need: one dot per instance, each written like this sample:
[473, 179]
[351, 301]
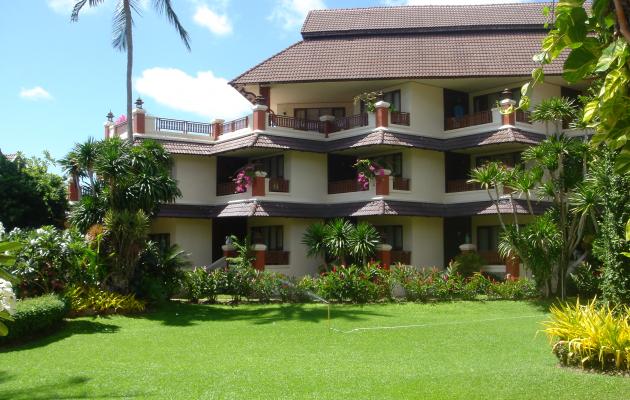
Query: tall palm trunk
[129, 39]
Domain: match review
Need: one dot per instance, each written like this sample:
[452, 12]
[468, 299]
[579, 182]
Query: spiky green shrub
[91, 300]
[590, 335]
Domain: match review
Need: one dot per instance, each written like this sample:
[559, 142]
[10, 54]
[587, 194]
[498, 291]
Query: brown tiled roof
[435, 55]
[422, 18]
[257, 208]
[379, 137]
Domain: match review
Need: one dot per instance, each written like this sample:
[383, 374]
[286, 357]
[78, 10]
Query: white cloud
[204, 94]
[65, 7]
[35, 93]
[445, 2]
[219, 24]
[291, 13]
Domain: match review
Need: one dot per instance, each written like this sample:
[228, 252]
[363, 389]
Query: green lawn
[457, 350]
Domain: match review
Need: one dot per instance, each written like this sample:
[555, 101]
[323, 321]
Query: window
[313, 114]
[507, 159]
[391, 161]
[273, 166]
[272, 236]
[488, 238]
[392, 235]
[163, 240]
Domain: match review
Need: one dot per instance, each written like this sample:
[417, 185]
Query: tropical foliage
[91, 300]
[596, 38]
[122, 186]
[590, 335]
[31, 195]
[35, 315]
[341, 239]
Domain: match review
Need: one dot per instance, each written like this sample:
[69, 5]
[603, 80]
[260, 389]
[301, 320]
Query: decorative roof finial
[110, 116]
[139, 103]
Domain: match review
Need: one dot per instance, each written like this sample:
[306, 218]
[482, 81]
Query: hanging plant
[366, 171]
[243, 178]
[370, 98]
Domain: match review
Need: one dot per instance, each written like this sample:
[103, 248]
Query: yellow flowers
[590, 335]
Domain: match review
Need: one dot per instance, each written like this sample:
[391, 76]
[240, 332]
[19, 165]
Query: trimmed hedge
[35, 315]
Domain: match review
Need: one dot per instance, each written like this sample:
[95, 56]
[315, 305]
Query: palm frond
[165, 7]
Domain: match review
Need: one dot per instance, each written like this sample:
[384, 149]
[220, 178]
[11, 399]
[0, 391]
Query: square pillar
[260, 117]
[217, 128]
[382, 114]
[382, 182]
[258, 184]
[228, 250]
[259, 256]
[327, 123]
[384, 254]
[512, 266]
[138, 121]
[507, 104]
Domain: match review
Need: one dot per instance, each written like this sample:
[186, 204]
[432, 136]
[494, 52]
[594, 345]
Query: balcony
[276, 257]
[401, 256]
[491, 257]
[461, 185]
[278, 185]
[345, 186]
[345, 123]
[400, 183]
[465, 121]
[400, 118]
[226, 188]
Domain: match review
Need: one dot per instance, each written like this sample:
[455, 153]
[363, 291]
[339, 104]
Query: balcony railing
[226, 188]
[400, 118]
[400, 183]
[461, 185]
[276, 257]
[491, 257]
[523, 116]
[235, 125]
[283, 121]
[401, 256]
[278, 185]
[345, 186]
[175, 125]
[478, 118]
[350, 122]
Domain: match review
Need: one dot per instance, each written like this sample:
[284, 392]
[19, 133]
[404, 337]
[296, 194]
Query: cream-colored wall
[426, 106]
[293, 230]
[425, 168]
[308, 176]
[192, 235]
[423, 236]
[196, 178]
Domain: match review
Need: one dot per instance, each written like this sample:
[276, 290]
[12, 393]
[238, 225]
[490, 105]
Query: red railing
[400, 118]
[276, 257]
[278, 185]
[350, 122]
[491, 257]
[478, 118]
[401, 183]
[282, 121]
[175, 125]
[226, 188]
[235, 125]
[401, 256]
[461, 185]
[523, 116]
[346, 186]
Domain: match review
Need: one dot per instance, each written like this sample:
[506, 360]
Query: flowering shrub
[51, 259]
[121, 120]
[354, 284]
[243, 178]
[7, 305]
[367, 170]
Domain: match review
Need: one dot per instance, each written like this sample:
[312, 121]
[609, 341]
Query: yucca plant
[363, 240]
[590, 335]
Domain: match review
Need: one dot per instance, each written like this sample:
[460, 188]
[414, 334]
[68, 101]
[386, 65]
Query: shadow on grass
[66, 329]
[68, 388]
[181, 314]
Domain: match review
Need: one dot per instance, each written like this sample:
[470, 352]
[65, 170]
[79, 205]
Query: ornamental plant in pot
[368, 170]
[245, 176]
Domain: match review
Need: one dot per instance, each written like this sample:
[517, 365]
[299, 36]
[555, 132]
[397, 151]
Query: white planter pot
[260, 174]
[467, 247]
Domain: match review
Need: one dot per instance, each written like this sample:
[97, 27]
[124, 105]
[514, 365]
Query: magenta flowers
[243, 178]
[367, 170]
[121, 120]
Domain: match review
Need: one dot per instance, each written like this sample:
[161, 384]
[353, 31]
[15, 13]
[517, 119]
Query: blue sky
[58, 79]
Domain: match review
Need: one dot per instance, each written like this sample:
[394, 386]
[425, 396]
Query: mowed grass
[459, 350]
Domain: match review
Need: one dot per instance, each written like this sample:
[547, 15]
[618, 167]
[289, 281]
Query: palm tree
[315, 239]
[363, 240]
[338, 232]
[123, 38]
